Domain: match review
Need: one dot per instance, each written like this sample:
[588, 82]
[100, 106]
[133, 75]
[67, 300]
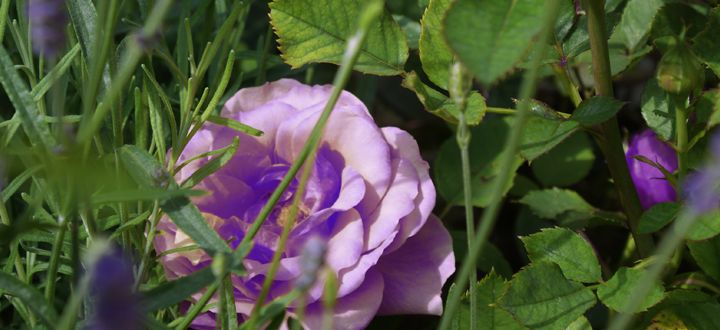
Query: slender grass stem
[459, 87]
[490, 214]
[198, 306]
[54, 261]
[371, 12]
[610, 141]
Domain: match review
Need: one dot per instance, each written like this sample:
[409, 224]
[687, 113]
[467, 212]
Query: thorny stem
[610, 141]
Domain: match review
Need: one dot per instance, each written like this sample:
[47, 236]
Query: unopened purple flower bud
[650, 182]
[311, 260]
[47, 23]
[115, 304]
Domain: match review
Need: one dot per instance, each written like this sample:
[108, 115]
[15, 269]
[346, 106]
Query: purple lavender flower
[369, 197]
[115, 305]
[47, 23]
[701, 189]
[650, 182]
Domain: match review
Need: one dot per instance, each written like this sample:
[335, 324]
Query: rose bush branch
[610, 142]
[513, 143]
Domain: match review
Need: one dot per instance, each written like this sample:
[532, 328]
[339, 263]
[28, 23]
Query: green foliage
[435, 54]
[32, 298]
[147, 172]
[502, 32]
[442, 106]
[658, 216]
[542, 298]
[568, 250]
[707, 255]
[706, 226]
[659, 114]
[487, 149]
[490, 316]
[566, 207]
[317, 31]
[685, 309]
[567, 163]
[617, 291]
[596, 110]
[636, 21]
[705, 45]
[542, 134]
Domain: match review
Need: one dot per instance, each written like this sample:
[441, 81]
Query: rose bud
[679, 71]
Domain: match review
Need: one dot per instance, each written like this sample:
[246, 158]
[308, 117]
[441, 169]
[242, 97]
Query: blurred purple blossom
[115, 304]
[701, 189]
[48, 19]
[650, 182]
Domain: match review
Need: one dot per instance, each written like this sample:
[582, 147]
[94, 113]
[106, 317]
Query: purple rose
[650, 182]
[369, 196]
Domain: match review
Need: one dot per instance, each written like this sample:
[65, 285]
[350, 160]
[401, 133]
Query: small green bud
[679, 71]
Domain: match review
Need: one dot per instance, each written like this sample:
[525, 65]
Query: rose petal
[415, 273]
[353, 311]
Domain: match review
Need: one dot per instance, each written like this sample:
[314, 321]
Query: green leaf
[658, 113]
[541, 298]
[147, 172]
[488, 291]
[688, 309]
[435, 54]
[492, 37]
[567, 163]
[706, 226]
[132, 195]
[236, 125]
[705, 45]
[19, 95]
[83, 17]
[54, 75]
[541, 135]
[568, 250]
[173, 292]
[317, 31]
[31, 298]
[707, 255]
[596, 110]
[616, 292]
[486, 149]
[636, 22]
[213, 165]
[581, 323]
[442, 106]
[657, 217]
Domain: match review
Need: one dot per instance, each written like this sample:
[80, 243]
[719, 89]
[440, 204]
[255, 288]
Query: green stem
[610, 141]
[490, 214]
[667, 247]
[458, 91]
[198, 306]
[563, 78]
[5, 218]
[501, 111]
[682, 135]
[54, 261]
[369, 15]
